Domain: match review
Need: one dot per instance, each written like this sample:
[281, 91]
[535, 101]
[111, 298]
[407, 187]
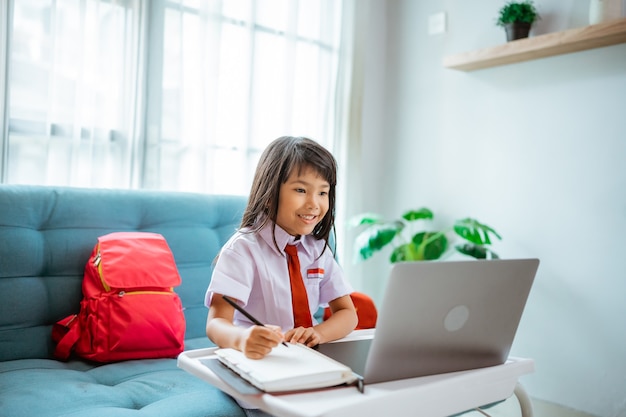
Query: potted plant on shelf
[420, 245]
[517, 19]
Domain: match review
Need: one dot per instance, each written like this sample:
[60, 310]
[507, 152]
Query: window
[70, 92]
[160, 94]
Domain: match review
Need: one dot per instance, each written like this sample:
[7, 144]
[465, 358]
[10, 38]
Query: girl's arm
[255, 342]
[339, 324]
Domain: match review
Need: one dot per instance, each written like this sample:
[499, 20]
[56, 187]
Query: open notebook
[287, 368]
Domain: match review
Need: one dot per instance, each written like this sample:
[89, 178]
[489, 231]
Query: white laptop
[439, 317]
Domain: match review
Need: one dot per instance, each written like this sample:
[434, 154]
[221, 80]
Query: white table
[429, 396]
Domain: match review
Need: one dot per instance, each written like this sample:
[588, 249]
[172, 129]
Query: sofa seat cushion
[148, 387]
[198, 343]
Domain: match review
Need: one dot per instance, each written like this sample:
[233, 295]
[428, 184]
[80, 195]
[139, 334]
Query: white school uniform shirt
[252, 270]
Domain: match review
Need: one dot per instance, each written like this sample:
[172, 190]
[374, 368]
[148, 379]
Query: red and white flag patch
[315, 273]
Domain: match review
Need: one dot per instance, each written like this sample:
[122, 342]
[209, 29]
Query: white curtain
[348, 109]
[180, 94]
[4, 98]
[72, 84]
[234, 76]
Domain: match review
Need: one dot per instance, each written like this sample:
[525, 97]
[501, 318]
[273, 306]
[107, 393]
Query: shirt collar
[282, 237]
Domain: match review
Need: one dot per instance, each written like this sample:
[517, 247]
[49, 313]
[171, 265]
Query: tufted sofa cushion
[150, 387]
[46, 236]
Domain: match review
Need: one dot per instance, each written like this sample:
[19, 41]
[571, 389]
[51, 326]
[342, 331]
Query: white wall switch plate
[437, 23]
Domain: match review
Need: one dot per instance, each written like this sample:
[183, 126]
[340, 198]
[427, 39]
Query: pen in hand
[245, 313]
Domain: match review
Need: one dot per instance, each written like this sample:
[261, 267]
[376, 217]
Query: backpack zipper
[97, 262]
[123, 293]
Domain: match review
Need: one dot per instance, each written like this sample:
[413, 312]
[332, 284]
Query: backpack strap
[66, 332]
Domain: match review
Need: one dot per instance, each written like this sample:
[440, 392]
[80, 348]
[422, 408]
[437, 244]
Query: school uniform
[250, 268]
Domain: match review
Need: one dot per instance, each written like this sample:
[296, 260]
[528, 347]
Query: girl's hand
[258, 341]
[305, 335]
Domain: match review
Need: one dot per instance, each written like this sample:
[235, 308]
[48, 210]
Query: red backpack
[129, 308]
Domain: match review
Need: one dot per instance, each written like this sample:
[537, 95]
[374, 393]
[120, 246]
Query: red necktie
[299, 299]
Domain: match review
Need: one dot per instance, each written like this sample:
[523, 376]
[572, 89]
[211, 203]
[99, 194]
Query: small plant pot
[516, 30]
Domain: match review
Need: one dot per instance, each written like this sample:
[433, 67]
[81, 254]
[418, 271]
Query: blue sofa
[46, 236]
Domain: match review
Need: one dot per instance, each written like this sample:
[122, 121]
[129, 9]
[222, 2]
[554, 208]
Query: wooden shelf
[572, 40]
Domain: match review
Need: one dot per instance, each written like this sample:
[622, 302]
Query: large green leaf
[375, 237]
[421, 214]
[430, 245]
[474, 231]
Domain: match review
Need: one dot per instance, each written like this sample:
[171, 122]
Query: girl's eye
[300, 190]
[324, 193]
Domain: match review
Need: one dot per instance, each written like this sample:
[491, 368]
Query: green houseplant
[517, 18]
[411, 244]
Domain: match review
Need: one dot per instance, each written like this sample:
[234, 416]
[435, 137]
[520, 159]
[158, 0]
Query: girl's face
[302, 201]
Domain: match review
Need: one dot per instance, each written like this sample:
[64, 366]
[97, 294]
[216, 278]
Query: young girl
[291, 204]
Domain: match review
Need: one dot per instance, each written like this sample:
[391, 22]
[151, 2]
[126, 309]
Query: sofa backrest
[47, 234]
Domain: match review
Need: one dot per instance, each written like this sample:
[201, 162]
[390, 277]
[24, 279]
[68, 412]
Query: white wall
[537, 150]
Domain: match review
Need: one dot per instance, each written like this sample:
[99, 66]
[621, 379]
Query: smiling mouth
[308, 217]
